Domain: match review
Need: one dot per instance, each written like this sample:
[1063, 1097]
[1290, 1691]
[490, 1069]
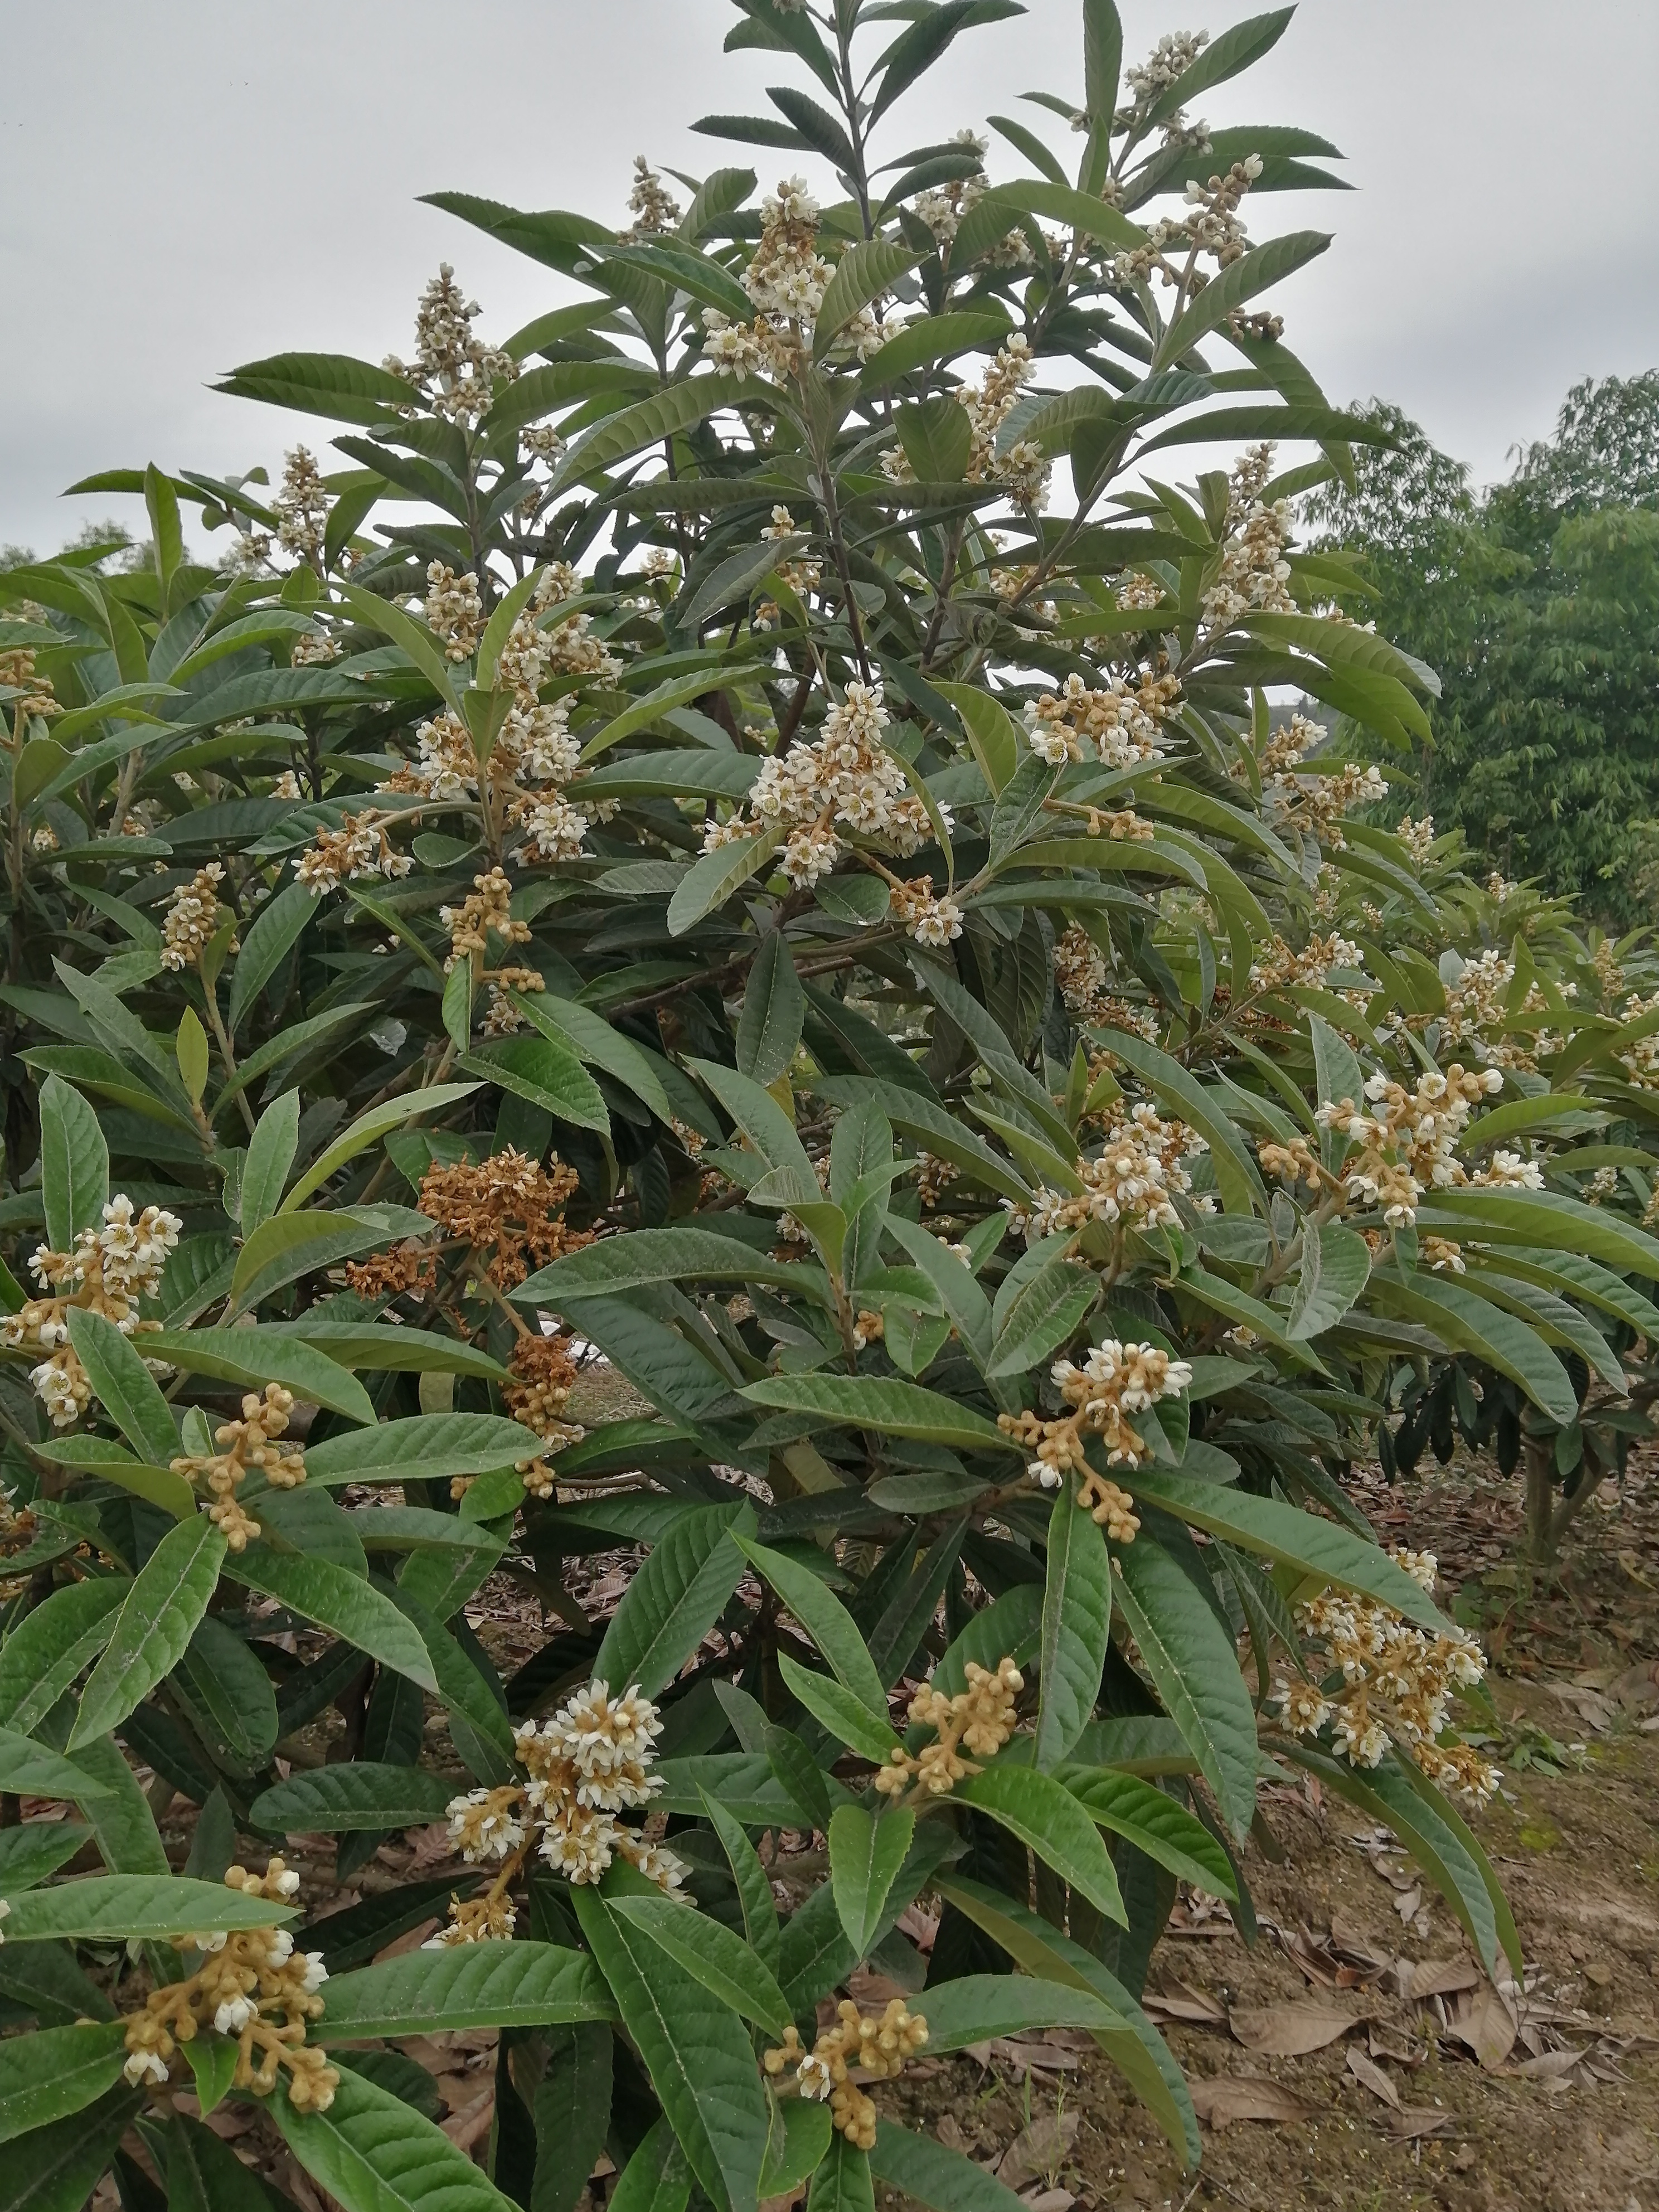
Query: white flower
[232, 2016]
[145, 2066]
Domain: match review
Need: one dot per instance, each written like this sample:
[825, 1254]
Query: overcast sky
[186, 185]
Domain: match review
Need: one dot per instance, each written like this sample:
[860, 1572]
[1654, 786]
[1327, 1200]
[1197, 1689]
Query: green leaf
[677, 407]
[695, 2049]
[713, 877]
[754, 1885]
[931, 338]
[1463, 1321]
[285, 1246]
[102, 1908]
[213, 2061]
[1384, 1792]
[153, 1626]
[895, 1408]
[774, 1007]
[867, 1851]
[640, 1258]
[1050, 1306]
[1154, 1823]
[361, 1795]
[977, 2007]
[124, 1387]
[825, 1620]
[74, 1163]
[675, 1598]
[270, 1161]
[367, 1129]
[277, 929]
[543, 1071]
[572, 2111]
[1034, 1807]
[592, 1040]
[57, 2168]
[926, 2172]
[54, 2071]
[843, 2181]
[804, 2138]
[1195, 1669]
[1336, 1265]
[1236, 1173]
[656, 2178]
[724, 1962]
[1077, 1612]
[1138, 2051]
[424, 1448]
[1263, 265]
[203, 2173]
[863, 271]
[29, 1853]
[190, 1050]
[466, 1985]
[254, 1357]
[992, 733]
[1548, 1217]
[376, 2154]
[231, 1692]
[340, 1601]
[412, 637]
[847, 1717]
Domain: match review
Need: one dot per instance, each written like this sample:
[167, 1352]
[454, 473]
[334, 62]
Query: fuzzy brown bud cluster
[246, 1446]
[877, 2047]
[251, 1986]
[980, 1719]
[507, 1207]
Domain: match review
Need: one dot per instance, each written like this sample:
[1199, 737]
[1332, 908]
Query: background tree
[1537, 604]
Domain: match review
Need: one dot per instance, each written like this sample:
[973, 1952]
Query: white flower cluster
[193, 919]
[107, 1270]
[1132, 1182]
[1407, 1142]
[653, 206]
[1640, 1059]
[1117, 1379]
[1416, 837]
[930, 920]
[1170, 59]
[455, 372]
[1397, 1682]
[360, 846]
[1023, 467]
[786, 280]
[943, 206]
[1255, 573]
[454, 610]
[848, 777]
[300, 506]
[588, 1763]
[1119, 723]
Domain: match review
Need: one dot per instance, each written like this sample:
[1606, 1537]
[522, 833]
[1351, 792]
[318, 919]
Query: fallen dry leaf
[1178, 2000]
[1413, 2122]
[1548, 2066]
[1440, 1977]
[1486, 2024]
[1050, 2200]
[1372, 2076]
[1038, 2150]
[1290, 2031]
[1225, 2097]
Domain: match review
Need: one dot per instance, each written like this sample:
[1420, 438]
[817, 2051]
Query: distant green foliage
[1538, 605]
